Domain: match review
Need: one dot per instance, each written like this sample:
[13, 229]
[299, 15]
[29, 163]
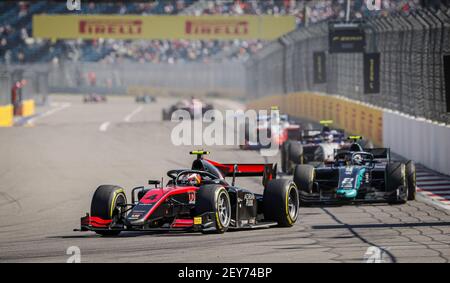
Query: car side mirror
[156, 183]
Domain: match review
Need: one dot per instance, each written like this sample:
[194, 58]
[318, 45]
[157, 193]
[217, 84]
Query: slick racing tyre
[281, 202]
[365, 144]
[165, 115]
[106, 204]
[296, 153]
[214, 199]
[396, 183]
[411, 179]
[304, 178]
[284, 157]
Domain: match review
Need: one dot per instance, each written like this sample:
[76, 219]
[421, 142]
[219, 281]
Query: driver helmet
[357, 159]
[193, 179]
[329, 138]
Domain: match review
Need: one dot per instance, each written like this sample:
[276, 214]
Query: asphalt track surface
[50, 169]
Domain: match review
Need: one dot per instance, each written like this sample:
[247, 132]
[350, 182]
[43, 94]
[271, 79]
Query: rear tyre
[296, 152]
[396, 182]
[411, 179]
[284, 156]
[281, 202]
[106, 204]
[165, 115]
[365, 144]
[304, 178]
[215, 199]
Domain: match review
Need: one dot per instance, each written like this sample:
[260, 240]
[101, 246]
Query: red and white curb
[433, 187]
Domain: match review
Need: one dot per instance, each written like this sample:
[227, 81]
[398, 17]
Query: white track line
[129, 116]
[104, 126]
[58, 108]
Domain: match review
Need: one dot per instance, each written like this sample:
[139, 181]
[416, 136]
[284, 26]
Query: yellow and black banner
[447, 80]
[162, 27]
[320, 67]
[372, 73]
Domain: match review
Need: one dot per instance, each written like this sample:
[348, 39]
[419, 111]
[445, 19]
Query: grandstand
[17, 45]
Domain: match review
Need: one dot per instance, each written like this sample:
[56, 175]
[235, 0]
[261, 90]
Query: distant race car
[357, 175]
[315, 147]
[276, 128]
[94, 98]
[196, 199]
[189, 105]
[145, 99]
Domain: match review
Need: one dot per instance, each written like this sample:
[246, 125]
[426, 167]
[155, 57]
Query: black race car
[357, 175]
[94, 98]
[196, 199]
[191, 106]
[145, 99]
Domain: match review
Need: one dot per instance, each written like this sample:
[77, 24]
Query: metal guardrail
[412, 74]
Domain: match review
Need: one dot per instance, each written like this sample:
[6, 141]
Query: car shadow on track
[130, 235]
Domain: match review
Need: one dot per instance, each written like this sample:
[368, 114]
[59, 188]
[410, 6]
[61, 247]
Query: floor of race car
[51, 166]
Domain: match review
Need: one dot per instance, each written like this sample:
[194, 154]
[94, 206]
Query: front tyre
[411, 179]
[107, 204]
[304, 178]
[281, 202]
[396, 182]
[214, 199]
[296, 153]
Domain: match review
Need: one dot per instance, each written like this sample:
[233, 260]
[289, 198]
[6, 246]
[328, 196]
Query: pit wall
[413, 138]
[6, 115]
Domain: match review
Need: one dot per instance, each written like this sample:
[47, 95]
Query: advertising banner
[320, 67]
[346, 38]
[161, 27]
[447, 80]
[372, 73]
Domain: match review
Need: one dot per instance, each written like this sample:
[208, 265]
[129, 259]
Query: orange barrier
[354, 117]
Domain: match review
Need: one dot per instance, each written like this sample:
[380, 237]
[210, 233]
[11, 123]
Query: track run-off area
[52, 163]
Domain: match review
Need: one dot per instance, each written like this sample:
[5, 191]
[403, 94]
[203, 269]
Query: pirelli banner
[161, 27]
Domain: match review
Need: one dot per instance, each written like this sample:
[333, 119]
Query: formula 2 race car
[145, 99]
[316, 147]
[275, 128]
[196, 199]
[189, 105]
[357, 175]
[94, 98]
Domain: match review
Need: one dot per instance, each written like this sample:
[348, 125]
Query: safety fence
[23, 86]
[195, 79]
[412, 49]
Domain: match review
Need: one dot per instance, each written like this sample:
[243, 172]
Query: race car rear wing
[378, 153]
[267, 171]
